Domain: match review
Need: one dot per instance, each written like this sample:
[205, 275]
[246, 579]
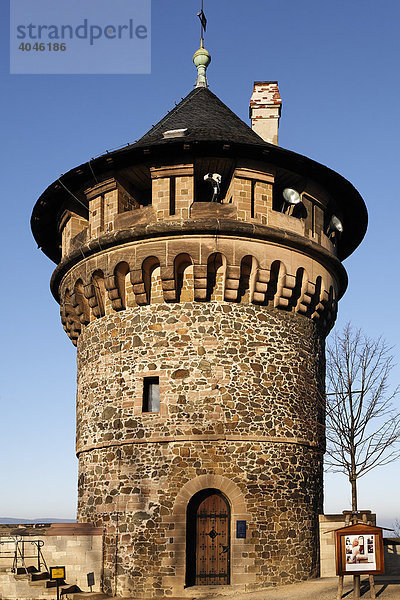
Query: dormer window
[174, 133]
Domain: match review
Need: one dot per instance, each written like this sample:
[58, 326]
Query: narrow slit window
[172, 193]
[151, 394]
[253, 194]
[313, 218]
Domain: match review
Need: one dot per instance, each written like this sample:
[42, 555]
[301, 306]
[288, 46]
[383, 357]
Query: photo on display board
[360, 553]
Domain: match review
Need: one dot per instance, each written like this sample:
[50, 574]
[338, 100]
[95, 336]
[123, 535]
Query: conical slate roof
[209, 124]
[206, 118]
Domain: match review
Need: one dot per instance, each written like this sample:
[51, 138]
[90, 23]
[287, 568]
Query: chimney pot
[265, 110]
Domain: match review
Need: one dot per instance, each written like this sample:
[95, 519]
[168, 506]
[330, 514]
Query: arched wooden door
[208, 539]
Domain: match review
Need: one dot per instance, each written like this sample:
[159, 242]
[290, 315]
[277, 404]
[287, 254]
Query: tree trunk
[353, 481]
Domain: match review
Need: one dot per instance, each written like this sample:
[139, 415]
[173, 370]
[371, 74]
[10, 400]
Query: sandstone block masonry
[77, 547]
[239, 412]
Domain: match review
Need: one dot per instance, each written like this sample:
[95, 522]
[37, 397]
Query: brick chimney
[265, 110]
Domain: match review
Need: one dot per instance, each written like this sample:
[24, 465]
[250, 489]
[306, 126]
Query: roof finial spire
[202, 58]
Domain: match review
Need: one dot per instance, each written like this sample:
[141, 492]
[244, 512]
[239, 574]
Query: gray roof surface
[206, 118]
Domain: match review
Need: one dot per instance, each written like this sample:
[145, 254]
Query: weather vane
[203, 22]
[202, 58]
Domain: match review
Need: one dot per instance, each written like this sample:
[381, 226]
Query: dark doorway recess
[208, 539]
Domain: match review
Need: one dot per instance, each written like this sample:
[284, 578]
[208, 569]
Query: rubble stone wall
[240, 411]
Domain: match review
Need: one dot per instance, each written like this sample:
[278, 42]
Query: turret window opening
[172, 195]
[311, 209]
[253, 196]
[151, 395]
[313, 219]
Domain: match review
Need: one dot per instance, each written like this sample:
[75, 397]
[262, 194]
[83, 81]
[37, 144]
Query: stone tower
[198, 274]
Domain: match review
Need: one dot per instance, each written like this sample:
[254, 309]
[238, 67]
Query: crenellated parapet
[249, 193]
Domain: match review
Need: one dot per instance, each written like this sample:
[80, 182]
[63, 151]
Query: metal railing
[20, 552]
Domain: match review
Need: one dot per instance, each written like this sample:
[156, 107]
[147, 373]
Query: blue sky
[337, 67]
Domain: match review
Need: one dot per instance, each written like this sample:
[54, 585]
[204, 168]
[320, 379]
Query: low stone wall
[327, 526]
[78, 547]
[391, 552]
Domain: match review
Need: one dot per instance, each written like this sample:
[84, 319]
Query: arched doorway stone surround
[242, 565]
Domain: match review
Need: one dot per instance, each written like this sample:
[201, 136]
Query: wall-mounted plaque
[359, 550]
[241, 529]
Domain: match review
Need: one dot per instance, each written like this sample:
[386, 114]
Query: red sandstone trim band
[200, 438]
[204, 228]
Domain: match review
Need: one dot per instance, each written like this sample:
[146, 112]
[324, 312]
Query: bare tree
[396, 528]
[362, 422]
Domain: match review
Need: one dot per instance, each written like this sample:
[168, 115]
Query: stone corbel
[200, 282]
[138, 287]
[80, 307]
[69, 319]
[111, 286]
[90, 295]
[232, 282]
[63, 317]
[286, 285]
[262, 280]
[331, 310]
[306, 298]
[321, 305]
[168, 281]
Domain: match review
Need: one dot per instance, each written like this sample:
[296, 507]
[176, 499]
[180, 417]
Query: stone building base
[76, 546]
